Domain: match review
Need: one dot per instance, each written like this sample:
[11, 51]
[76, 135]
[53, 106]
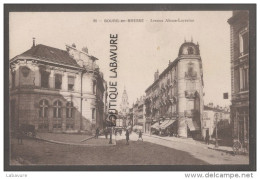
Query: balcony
[191, 75]
[190, 113]
[190, 94]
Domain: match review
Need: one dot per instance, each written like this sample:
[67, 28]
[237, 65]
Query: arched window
[190, 51]
[57, 109]
[69, 109]
[43, 108]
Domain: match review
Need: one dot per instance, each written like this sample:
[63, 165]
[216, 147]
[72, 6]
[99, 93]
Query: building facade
[124, 110]
[176, 97]
[209, 120]
[56, 90]
[139, 115]
[239, 34]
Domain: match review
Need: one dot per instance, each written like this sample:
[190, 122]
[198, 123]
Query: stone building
[209, 120]
[139, 115]
[239, 43]
[124, 109]
[124, 106]
[175, 99]
[56, 90]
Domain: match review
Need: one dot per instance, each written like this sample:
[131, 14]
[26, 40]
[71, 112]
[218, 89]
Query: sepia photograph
[127, 88]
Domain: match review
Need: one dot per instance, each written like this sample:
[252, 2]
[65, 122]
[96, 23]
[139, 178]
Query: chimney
[33, 42]
[156, 75]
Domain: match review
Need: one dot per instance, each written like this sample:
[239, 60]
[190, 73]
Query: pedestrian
[127, 137]
[207, 137]
[140, 136]
[105, 131]
[97, 133]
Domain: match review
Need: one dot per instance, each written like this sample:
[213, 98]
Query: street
[152, 151]
[196, 150]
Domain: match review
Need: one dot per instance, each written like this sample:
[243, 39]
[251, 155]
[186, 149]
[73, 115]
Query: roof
[168, 68]
[189, 48]
[50, 54]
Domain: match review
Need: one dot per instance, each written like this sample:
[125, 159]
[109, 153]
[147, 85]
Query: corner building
[175, 99]
[239, 43]
[56, 90]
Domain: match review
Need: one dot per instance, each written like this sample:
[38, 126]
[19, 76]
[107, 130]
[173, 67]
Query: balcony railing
[190, 113]
[190, 94]
[191, 75]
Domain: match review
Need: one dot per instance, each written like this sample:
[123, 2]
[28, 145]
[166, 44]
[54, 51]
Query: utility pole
[216, 138]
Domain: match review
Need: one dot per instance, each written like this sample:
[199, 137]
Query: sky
[142, 47]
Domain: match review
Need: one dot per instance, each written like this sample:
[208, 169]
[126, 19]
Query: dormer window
[45, 79]
[190, 51]
[71, 83]
[58, 81]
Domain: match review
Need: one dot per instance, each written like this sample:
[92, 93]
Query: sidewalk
[193, 142]
[75, 139]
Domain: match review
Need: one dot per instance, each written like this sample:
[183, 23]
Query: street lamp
[110, 137]
[216, 138]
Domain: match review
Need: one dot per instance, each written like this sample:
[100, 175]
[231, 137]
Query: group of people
[127, 134]
[140, 134]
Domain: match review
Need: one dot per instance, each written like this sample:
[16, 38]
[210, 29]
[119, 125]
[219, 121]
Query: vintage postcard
[130, 88]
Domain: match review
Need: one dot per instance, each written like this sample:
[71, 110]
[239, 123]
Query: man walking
[140, 136]
[127, 137]
[207, 137]
[97, 133]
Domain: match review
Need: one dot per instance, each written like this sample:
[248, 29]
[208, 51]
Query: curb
[212, 148]
[221, 150]
[74, 144]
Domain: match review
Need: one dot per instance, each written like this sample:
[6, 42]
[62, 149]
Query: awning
[156, 125]
[166, 123]
[193, 126]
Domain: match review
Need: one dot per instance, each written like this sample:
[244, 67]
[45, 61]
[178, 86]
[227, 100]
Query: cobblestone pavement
[195, 149]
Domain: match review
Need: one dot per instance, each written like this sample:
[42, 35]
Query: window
[58, 81]
[44, 79]
[13, 79]
[190, 73]
[93, 113]
[190, 85]
[57, 109]
[244, 42]
[244, 79]
[71, 83]
[190, 51]
[69, 109]
[69, 126]
[190, 105]
[57, 126]
[43, 108]
[94, 87]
